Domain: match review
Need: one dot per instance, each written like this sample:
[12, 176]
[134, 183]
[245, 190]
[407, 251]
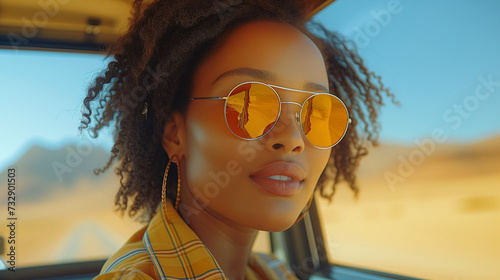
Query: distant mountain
[439, 161]
[41, 171]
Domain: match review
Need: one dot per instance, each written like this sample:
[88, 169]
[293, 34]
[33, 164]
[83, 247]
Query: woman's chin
[278, 224]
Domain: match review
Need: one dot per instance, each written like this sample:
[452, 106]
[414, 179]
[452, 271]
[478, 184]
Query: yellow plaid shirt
[171, 250]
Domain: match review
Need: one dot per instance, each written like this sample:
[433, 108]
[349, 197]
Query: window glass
[63, 212]
[429, 205]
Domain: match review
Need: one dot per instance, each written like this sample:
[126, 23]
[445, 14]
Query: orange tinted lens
[324, 120]
[251, 110]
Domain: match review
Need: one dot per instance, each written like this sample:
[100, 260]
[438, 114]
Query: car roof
[77, 26]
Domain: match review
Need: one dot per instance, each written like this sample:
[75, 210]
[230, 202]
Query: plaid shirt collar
[172, 244]
[178, 253]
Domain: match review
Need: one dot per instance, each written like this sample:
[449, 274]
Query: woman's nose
[286, 136]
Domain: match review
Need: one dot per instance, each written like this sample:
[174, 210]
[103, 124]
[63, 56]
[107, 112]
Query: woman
[225, 120]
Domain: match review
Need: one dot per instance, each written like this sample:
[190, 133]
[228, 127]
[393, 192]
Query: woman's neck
[228, 242]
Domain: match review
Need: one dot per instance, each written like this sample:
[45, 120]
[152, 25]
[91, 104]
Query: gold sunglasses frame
[297, 116]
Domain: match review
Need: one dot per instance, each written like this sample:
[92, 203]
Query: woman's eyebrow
[316, 87]
[263, 75]
[246, 71]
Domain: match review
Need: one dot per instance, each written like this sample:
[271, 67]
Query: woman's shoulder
[130, 274]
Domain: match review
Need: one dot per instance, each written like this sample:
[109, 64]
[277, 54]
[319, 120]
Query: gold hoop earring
[304, 211]
[164, 186]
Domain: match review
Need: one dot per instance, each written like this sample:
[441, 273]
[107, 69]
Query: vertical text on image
[11, 218]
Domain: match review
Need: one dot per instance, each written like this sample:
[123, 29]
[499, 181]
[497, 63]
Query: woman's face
[231, 176]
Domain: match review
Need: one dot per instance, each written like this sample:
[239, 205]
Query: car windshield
[429, 202]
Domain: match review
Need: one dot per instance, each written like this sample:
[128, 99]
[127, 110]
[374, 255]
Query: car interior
[85, 29]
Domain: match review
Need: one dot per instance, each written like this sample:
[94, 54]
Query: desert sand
[442, 221]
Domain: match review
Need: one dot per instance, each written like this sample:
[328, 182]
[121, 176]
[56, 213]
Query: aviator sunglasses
[252, 109]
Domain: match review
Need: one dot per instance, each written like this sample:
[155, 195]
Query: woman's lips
[281, 178]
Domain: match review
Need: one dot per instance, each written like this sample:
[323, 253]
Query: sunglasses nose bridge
[295, 103]
[291, 102]
[296, 114]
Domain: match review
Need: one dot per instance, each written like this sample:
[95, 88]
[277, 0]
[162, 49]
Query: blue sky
[432, 54]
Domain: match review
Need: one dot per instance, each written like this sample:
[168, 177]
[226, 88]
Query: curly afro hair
[152, 67]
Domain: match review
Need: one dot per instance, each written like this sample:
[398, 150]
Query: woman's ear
[174, 135]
